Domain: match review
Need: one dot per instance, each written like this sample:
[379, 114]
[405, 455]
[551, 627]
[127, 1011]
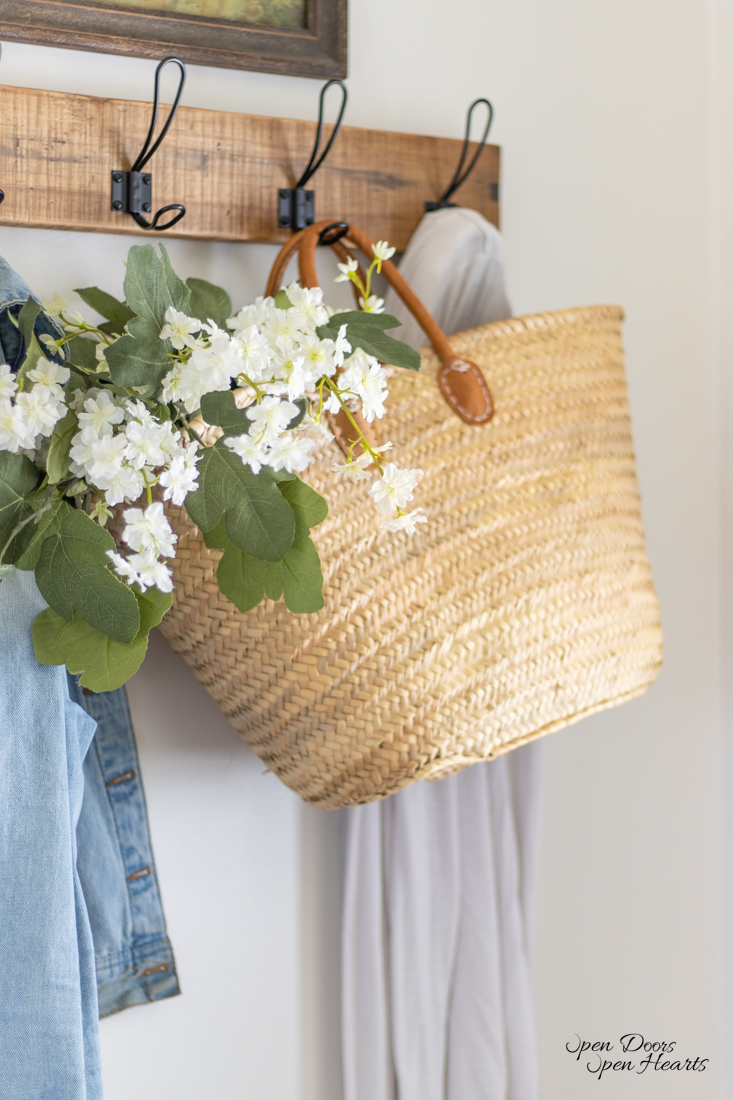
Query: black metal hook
[296, 207]
[459, 179]
[132, 192]
[333, 233]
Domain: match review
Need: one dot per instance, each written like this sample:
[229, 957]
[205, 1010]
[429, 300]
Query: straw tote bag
[524, 604]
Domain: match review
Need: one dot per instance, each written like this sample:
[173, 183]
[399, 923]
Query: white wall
[613, 137]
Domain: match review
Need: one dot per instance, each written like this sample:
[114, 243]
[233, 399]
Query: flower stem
[361, 437]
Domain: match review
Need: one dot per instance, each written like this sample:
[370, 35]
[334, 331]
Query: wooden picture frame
[318, 49]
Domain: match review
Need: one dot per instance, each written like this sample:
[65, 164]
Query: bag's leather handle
[285, 255]
[461, 382]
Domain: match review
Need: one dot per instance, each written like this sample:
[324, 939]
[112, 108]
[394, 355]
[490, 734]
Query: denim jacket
[80, 894]
[134, 958]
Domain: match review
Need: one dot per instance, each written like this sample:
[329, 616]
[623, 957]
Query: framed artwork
[296, 37]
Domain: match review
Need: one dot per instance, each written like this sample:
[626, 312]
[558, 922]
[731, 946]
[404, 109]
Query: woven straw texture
[524, 604]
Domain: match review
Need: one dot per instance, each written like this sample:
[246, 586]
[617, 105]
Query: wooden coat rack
[57, 153]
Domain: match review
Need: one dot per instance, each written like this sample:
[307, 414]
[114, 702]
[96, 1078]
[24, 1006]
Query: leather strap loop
[287, 252]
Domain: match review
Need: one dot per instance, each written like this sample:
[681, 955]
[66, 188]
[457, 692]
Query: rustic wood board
[57, 152]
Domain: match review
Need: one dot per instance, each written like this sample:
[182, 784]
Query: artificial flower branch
[219, 412]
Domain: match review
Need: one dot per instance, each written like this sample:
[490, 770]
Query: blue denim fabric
[14, 293]
[49, 1043]
[134, 957]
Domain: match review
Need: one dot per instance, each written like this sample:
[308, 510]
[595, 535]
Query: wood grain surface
[58, 152]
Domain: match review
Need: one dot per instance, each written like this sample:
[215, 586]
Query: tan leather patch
[464, 388]
[344, 433]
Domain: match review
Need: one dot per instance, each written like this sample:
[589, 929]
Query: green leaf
[160, 412]
[83, 354]
[33, 356]
[57, 461]
[220, 408]
[216, 538]
[302, 403]
[119, 313]
[151, 286]
[298, 578]
[140, 359]
[18, 479]
[209, 302]
[77, 381]
[282, 301]
[27, 320]
[104, 664]
[244, 580]
[366, 331]
[73, 574]
[303, 580]
[309, 506]
[25, 549]
[258, 519]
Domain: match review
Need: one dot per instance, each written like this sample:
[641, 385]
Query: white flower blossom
[309, 303]
[179, 480]
[144, 445]
[149, 530]
[270, 417]
[108, 454]
[55, 306]
[311, 424]
[217, 364]
[319, 357]
[48, 374]
[39, 411]
[151, 572]
[407, 522]
[137, 410]
[190, 455]
[357, 469]
[125, 484]
[284, 328]
[183, 383]
[341, 347]
[383, 251]
[14, 433]
[255, 314]
[347, 270]
[8, 384]
[255, 351]
[299, 377]
[290, 452]
[373, 304]
[249, 450]
[364, 377]
[101, 413]
[82, 453]
[123, 568]
[394, 488]
[180, 329]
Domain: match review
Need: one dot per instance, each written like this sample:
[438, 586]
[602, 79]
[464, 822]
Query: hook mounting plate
[132, 192]
[296, 208]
